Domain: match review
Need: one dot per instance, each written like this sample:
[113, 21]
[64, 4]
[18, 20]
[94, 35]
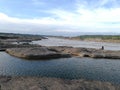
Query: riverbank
[95, 40]
[43, 83]
[98, 38]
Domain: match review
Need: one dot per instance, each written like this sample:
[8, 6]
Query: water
[76, 43]
[67, 68]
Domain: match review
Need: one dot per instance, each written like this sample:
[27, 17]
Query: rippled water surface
[75, 43]
[68, 68]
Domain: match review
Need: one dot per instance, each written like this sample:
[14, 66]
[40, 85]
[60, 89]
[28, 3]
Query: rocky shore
[43, 83]
[36, 53]
[9, 40]
[11, 37]
[42, 52]
[88, 52]
[31, 51]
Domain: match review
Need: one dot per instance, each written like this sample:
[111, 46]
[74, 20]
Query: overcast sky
[59, 16]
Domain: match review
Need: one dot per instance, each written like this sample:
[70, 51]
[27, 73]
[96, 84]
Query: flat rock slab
[36, 53]
[43, 83]
[88, 52]
[61, 51]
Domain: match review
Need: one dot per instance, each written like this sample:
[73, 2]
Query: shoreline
[89, 40]
[102, 41]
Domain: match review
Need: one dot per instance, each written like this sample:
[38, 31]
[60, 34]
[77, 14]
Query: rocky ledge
[36, 53]
[43, 83]
[41, 52]
[88, 52]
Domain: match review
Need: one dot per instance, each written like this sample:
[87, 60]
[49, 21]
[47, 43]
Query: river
[51, 41]
[67, 68]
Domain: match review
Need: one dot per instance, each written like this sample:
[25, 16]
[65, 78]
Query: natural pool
[67, 68]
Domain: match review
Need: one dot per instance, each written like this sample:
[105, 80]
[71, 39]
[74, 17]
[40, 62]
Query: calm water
[68, 68]
[76, 43]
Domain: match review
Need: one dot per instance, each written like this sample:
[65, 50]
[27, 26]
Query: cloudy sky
[59, 16]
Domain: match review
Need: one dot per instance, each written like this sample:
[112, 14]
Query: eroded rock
[36, 53]
[88, 52]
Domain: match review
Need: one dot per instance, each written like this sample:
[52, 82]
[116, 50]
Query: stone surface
[36, 53]
[88, 52]
[43, 83]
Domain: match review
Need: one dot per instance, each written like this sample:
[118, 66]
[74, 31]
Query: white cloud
[87, 18]
[82, 20]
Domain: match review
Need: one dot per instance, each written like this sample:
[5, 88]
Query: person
[102, 48]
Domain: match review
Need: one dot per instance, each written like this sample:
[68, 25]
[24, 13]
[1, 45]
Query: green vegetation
[102, 37]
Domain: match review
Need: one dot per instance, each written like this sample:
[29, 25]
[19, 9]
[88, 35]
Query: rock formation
[36, 53]
[88, 52]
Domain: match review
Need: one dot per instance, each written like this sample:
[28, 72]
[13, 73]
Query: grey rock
[43, 83]
[36, 53]
[88, 52]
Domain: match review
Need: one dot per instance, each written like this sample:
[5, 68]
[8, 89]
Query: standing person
[102, 48]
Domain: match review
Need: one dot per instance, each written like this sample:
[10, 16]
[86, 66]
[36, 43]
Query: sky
[58, 17]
